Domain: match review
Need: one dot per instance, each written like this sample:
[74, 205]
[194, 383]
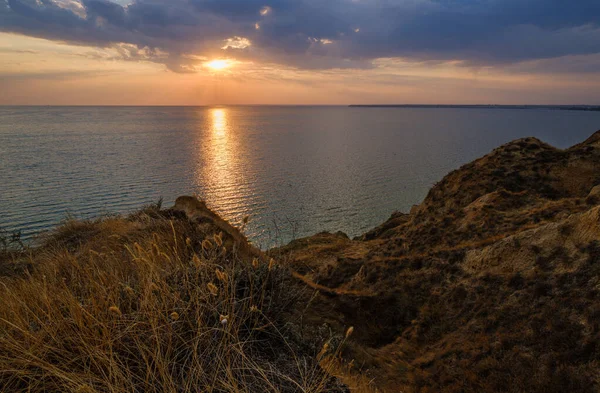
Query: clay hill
[492, 284]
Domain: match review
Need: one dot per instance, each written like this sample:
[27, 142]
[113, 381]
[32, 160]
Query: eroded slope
[491, 284]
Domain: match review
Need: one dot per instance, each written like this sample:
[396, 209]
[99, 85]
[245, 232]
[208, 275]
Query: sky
[299, 52]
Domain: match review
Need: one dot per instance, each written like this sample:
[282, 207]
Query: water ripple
[294, 171]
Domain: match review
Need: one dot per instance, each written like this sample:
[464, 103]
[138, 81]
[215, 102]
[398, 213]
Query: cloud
[317, 34]
[583, 65]
[62, 75]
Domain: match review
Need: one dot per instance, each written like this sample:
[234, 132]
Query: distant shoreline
[548, 107]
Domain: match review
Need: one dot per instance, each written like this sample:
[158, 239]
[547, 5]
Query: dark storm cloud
[320, 33]
[488, 31]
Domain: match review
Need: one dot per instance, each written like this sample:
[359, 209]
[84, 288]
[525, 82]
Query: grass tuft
[149, 303]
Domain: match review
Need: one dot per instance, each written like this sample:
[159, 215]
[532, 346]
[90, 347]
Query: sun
[218, 65]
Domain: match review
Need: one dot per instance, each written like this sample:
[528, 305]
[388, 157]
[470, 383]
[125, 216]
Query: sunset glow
[162, 52]
[325, 196]
[218, 65]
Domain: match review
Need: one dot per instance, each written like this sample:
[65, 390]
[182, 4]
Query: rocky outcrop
[197, 211]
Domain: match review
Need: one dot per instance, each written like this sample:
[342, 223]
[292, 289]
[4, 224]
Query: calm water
[294, 170]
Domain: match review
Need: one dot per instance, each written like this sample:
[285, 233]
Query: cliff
[492, 284]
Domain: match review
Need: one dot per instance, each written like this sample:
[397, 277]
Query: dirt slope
[492, 284]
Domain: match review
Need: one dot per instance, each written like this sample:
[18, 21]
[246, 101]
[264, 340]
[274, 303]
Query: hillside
[171, 300]
[492, 284]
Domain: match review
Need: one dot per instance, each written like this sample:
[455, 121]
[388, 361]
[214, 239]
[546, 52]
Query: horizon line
[300, 105]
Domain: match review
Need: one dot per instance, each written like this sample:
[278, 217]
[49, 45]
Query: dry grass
[358, 381]
[151, 303]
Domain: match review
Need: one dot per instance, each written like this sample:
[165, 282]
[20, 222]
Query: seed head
[174, 316]
[188, 242]
[207, 245]
[115, 310]
[138, 248]
[223, 319]
[255, 263]
[253, 309]
[221, 276]
[212, 288]
[218, 239]
[271, 264]
[196, 261]
[349, 331]
[129, 291]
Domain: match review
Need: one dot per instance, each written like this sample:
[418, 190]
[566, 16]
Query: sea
[294, 171]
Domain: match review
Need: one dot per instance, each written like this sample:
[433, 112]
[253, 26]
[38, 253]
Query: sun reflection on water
[219, 121]
[220, 165]
[220, 171]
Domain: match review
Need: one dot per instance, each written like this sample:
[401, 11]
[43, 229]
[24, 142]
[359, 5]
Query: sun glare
[218, 64]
